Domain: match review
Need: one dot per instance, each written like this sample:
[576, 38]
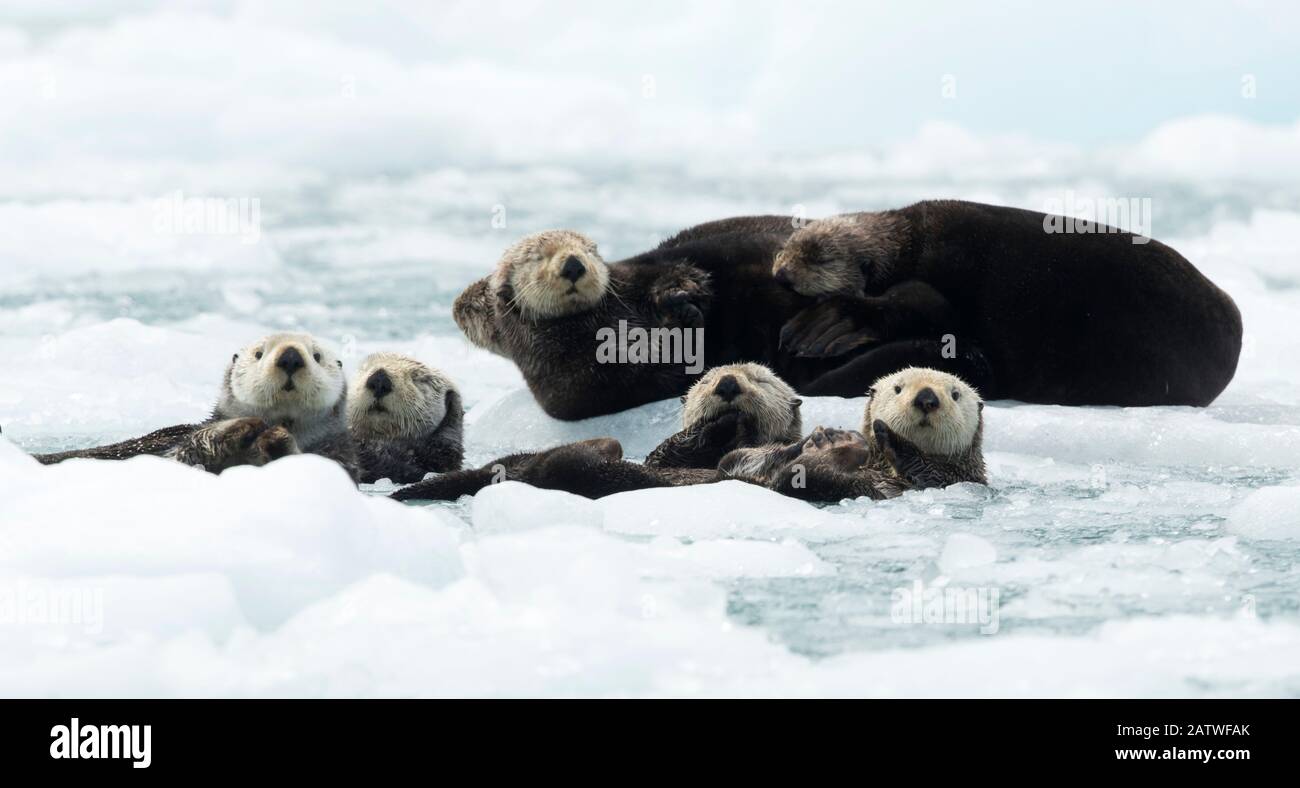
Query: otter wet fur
[406, 419]
[552, 294]
[1080, 318]
[921, 428]
[732, 406]
[283, 394]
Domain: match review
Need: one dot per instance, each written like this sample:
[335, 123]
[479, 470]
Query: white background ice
[1144, 552]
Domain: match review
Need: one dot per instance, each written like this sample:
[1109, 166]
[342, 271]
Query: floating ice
[1270, 513]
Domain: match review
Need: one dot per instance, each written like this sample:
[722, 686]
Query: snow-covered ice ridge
[150, 578]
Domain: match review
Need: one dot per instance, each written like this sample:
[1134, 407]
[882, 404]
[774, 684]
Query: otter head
[393, 396]
[840, 255]
[938, 412]
[749, 389]
[550, 274]
[282, 376]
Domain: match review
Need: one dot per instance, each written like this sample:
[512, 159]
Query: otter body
[921, 428]
[405, 419]
[732, 406]
[284, 394]
[1063, 318]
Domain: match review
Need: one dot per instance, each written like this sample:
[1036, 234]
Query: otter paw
[678, 309]
[825, 438]
[892, 446]
[273, 444]
[724, 431]
[240, 434]
[831, 328]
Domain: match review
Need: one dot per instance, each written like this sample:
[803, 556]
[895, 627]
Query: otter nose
[782, 277]
[727, 388]
[379, 384]
[290, 361]
[573, 269]
[926, 400]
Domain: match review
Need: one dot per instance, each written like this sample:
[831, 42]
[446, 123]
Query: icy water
[1115, 551]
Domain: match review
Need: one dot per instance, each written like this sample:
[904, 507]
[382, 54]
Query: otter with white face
[552, 274]
[732, 406]
[405, 418]
[290, 380]
[283, 394]
[936, 412]
[921, 428]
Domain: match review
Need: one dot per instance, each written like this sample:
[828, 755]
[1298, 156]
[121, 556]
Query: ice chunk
[514, 506]
[729, 508]
[1269, 513]
[284, 535]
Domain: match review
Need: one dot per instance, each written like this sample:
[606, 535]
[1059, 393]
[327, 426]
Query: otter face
[286, 373]
[840, 255]
[396, 396]
[551, 274]
[750, 389]
[938, 412]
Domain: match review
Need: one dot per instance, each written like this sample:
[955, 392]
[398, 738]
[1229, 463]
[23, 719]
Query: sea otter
[552, 306]
[731, 406]
[283, 394]
[1096, 318]
[405, 419]
[921, 428]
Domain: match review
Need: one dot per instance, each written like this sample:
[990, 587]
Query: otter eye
[956, 395]
[257, 355]
[316, 356]
[898, 389]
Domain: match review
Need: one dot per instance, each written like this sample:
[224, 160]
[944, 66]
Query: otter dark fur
[592, 468]
[732, 406]
[1098, 318]
[284, 394]
[716, 276]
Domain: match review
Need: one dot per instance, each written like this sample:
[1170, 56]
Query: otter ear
[234, 358]
[871, 391]
[796, 402]
[981, 406]
[339, 361]
[682, 399]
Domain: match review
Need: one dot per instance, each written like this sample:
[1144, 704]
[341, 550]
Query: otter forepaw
[724, 431]
[238, 435]
[273, 444]
[678, 309]
[831, 328]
